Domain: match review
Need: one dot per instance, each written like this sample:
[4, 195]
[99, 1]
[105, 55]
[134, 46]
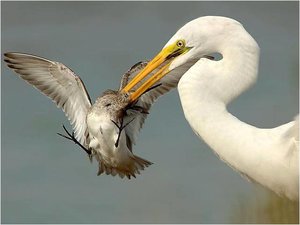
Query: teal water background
[46, 179]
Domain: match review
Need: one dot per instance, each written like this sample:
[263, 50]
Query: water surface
[46, 179]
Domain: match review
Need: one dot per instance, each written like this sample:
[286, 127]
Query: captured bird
[98, 127]
[267, 156]
[105, 130]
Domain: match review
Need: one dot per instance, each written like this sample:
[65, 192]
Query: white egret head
[204, 36]
[199, 37]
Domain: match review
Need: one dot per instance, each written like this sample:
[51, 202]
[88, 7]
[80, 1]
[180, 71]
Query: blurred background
[47, 179]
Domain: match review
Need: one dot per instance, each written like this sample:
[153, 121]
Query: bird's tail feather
[141, 163]
[136, 164]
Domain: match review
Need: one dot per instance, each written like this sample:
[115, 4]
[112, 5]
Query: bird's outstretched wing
[59, 83]
[148, 98]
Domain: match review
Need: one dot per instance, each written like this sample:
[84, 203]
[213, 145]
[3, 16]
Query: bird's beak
[167, 55]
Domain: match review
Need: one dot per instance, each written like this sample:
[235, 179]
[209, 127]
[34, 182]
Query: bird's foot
[71, 137]
[120, 127]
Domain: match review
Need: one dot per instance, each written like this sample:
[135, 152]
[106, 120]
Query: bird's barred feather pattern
[59, 83]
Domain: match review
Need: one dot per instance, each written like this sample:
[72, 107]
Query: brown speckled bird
[106, 130]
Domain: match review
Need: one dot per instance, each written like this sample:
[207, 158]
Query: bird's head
[113, 103]
[196, 39]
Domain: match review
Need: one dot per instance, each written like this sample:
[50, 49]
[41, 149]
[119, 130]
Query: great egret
[98, 127]
[267, 156]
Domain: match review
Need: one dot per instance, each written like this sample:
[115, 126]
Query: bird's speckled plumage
[95, 126]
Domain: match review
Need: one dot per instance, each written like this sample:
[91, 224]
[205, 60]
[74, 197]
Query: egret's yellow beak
[168, 54]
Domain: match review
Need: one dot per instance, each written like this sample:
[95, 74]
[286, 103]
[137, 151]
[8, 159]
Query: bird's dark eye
[108, 104]
[180, 44]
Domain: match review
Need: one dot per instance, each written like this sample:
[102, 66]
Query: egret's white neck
[214, 84]
[236, 71]
[208, 86]
[206, 89]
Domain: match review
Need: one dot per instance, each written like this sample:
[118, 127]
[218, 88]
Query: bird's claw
[71, 137]
[120, 127]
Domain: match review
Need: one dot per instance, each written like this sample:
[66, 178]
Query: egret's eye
[107, 105]
[180, 43]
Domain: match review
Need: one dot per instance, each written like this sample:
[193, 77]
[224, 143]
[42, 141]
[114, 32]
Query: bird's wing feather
[59, 83]
[167, 83]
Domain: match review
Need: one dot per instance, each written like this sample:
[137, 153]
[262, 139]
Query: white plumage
[267, 156]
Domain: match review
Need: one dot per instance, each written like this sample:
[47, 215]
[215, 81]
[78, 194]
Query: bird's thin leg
[128, 123]
[121, 127]
[72, 138]
[120, 130]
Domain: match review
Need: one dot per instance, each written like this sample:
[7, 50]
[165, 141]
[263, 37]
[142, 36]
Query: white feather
[268, 156]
